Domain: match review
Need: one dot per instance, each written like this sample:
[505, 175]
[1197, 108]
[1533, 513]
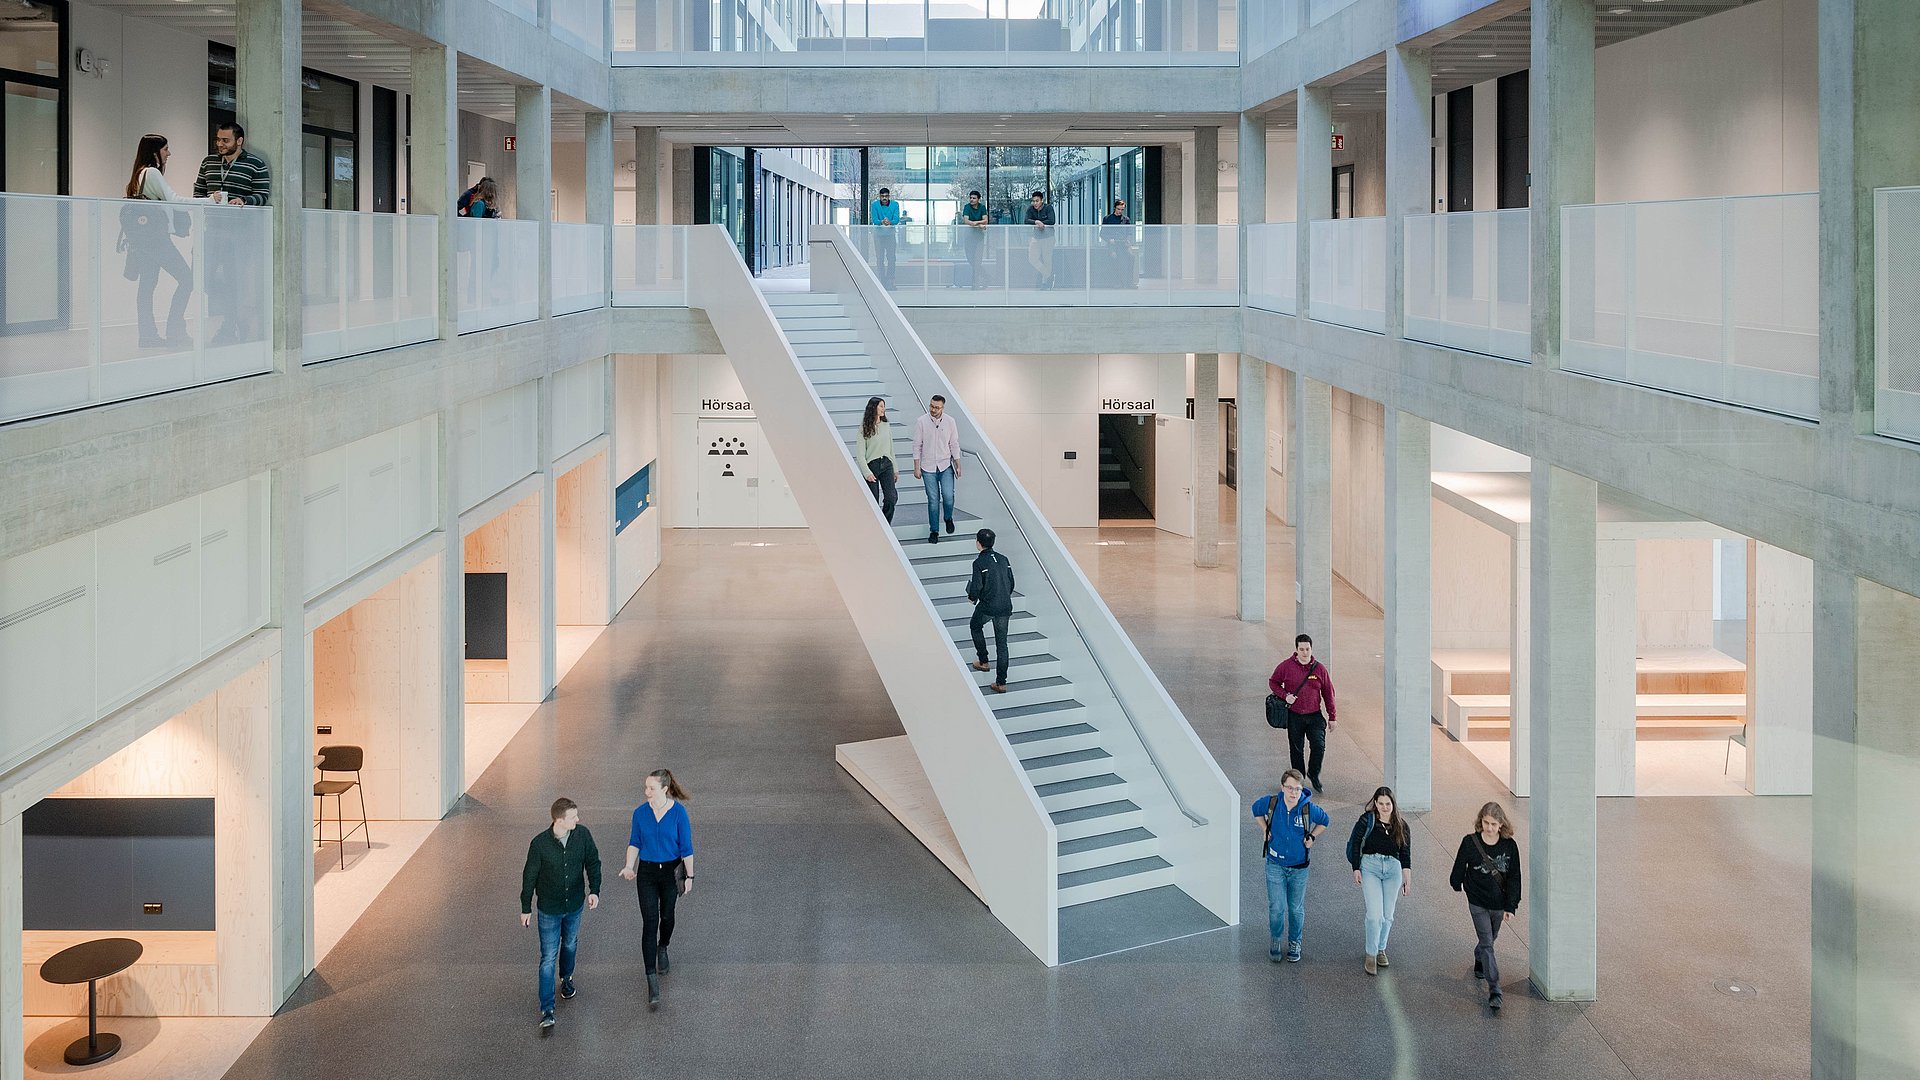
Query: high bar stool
[339, 759]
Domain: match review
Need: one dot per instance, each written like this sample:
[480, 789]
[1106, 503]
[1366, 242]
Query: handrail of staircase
[1120, 447]
[1146, 744]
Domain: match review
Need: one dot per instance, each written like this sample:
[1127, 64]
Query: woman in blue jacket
[1292, 822]
[660, 861]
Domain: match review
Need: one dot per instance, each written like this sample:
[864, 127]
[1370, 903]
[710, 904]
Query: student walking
[884, 215]
[660, 862]
[1487, 869]
[1382, 857]
[557, 861]
[146, 235]
[232, 176]
[1118, 245]
[1292, 823]
[990, 591]
[1302, 686]
[1040, 244]
[936, 463]
[876, 450]
[973, 236]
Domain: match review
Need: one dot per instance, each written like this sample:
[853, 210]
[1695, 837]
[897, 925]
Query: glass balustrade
[371, 282]
[650, 266]
[892, 33]
[498, 281]
[1321, 10]
[1347, 280]
[577, 267]
[1066, 266]
[1270, 24]
[1896, 318]
[582, 24]
[1713, 298]
[526, 9]
[107, 299]
[1273, 267]
[1469, 277]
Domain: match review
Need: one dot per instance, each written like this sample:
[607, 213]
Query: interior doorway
[1127, 469]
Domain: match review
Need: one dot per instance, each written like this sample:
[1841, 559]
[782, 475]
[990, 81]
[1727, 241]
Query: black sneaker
[546, 1021]
[933, 538]
[949, 525]
[1293, 952]
[566, 990]
[1318, 787]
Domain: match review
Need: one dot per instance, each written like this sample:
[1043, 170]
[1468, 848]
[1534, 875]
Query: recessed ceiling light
[1619, 11]
[1379, 91]
[1343, 104]
[356, 56]
[1487, 55]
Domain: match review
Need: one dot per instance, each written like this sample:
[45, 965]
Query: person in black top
[557, 861]
[1487, 869]
[990, 591]
[1040, 244]
[1382, 860]
[1117, 244]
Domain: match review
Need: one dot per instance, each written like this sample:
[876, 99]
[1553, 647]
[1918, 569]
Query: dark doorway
[1230, 433]
[1126, 467]
[386, 147]
[1460, 149]
[1510, 95]
[1343, 191]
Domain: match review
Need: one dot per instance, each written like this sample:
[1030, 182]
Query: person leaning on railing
[232, 176]
[146, 236]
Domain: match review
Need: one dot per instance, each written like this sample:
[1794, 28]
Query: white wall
[569, 181]
[1674, 587]
[690, 382]
[156, 81]
[1472, 581]
[1359, 495]
[636, 445]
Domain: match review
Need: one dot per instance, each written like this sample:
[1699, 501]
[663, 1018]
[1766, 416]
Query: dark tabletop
[89, 960]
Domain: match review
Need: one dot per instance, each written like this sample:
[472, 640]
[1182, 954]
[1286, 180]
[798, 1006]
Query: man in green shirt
[973, 235]
[557, 861]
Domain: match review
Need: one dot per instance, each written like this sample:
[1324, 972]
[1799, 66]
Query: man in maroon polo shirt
[1303, 683]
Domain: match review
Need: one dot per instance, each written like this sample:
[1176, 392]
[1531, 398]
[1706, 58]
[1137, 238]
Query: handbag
[1277, 705]
[680, 878]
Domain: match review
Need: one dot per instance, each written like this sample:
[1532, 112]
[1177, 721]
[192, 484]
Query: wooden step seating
[1722, 712]
[1481, 680]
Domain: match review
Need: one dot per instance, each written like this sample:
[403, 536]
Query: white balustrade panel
[495, 443]
[577, 269]
[1273, 267]
[650, 266]
[1065, 266]
[108, 299]
[371, 283]
[1896, 306]
[1713, 298]
[367, 499]
[1347, 281]
[1469, 277]
[91, 623]
[498, 283]
[579, 405]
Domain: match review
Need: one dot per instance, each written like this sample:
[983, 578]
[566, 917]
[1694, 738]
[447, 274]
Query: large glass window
[1078, 176]
[1013, 173]
[32, 136]
[330, 127]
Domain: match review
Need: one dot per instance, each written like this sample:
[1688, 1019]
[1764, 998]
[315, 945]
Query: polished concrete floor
[822, 940]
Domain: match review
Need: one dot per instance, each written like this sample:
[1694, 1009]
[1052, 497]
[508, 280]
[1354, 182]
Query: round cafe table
[89, 962]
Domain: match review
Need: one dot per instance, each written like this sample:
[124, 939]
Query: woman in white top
[146, 235]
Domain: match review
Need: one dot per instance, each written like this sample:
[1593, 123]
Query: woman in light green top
[876, 450]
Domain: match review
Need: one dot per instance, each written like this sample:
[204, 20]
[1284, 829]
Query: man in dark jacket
[557, 862]
[990, 590]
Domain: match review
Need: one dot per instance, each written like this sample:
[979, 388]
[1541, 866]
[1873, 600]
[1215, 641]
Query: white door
[728, 473]
[1173, 475]
[776, 508]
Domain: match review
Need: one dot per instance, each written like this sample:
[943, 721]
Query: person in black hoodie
[1382, 858]
[990, 591]
[1488, 870]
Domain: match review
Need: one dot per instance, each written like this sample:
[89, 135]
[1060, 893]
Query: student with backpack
[1487, 869]
[1292, 823]
[1381, 853]
[990, 591]
[482, 200]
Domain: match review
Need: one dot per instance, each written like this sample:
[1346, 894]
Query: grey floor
[823, 941]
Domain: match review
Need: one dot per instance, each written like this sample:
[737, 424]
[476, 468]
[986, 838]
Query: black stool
[339, 759]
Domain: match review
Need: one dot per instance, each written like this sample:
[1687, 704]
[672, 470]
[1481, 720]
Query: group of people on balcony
[1115, 268]
[230, 176]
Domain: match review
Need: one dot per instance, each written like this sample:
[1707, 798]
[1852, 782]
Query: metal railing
[1469, 281]
[108, 299]
[498, 282]
[1063, 266]
[1713, 298]
[372, 282]
[1273, 267]
[1347, 276]
[576, 267]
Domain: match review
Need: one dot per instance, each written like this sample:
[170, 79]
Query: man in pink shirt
[1304, 687]
[936, 463]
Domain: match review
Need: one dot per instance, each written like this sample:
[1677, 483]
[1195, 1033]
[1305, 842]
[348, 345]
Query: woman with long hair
[146, 235]
[660, 861]
[1487, 869]
[1382, 857]
[876, 451]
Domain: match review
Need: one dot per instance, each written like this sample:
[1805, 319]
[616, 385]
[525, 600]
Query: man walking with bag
[1301, 700]
[990, 591]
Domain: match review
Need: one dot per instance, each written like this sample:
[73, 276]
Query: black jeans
[658, 891]
[979, 622]
[882, 485]
[1305, 729]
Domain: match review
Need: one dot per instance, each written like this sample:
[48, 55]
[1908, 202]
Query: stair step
[1103, 841]
[961, 601]
[1115, 485]
[1086, 791]
[967, 632]
[1068, 766]
[1114, 879]
[1041, 708]
[1030, 692]
[1055, 740]
[1096, 818]
[1038, 664]
[1105, 849]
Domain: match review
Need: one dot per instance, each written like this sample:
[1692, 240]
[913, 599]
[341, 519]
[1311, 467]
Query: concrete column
[682, 185]
[435, 151]
[549, 542]
[1206, 459]
[1409, 602]
[1563, 907]
[1780, 651]
[1253, 186]
[1409, 165]
[1869, 95]
[1173, 184]
[13, 1033]
[453, 621]
[1250, 396]
[267, 89]
[1313, 180]
[1520, 649]
[1312, 459]
[1560, 141]
[646, 176]
[1206, 176]
[1866, 783]
[599, 165]
[533, 173]
[1616, 678]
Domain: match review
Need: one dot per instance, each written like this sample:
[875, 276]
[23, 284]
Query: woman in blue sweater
[660, 860]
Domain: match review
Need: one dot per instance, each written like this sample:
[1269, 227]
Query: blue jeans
[939, 496]
[1380, 888]
[1286, 901]
[559, 935]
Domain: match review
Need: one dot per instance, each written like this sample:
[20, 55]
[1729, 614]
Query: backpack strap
[1272, 808]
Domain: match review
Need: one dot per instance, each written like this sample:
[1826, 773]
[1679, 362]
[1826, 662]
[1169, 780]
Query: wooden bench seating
[1652, 710]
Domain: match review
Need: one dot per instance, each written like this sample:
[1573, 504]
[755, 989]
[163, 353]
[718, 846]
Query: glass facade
[787, 189]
